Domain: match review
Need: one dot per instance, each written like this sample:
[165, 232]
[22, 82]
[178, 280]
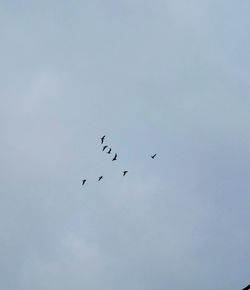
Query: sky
[166, 76]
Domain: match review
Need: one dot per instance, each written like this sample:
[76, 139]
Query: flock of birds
[113, 159]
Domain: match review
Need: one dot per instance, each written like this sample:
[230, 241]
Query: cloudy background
[165, 76]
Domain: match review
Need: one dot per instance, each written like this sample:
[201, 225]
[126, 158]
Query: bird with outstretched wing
[153, 156]
[102, 139]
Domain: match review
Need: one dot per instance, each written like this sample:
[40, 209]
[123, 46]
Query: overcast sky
[164, 76]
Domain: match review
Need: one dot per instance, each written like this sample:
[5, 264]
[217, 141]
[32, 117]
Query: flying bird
[104, 147]
[246, 288]
[101, 177]
[102, 139]
[153, 156]
[109, 152]
[83, 182]
[125, 172]
[115, 157]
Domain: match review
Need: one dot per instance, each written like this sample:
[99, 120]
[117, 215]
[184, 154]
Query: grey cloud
[169, 77]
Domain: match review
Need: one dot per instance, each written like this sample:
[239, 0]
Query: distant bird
[83, 182]
[115, 157]
[153, 156]
[246, 288]
[109, 152]
[125, 172]
[101, 177]
[102, 139]
[104, 147]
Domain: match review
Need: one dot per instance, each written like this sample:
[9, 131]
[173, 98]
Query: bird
[153, 156]
[246, 288]
[102, 139]
[109, 152]
[115, 157]
[125, 172]
[83, 182]
[101, 177]
[104, 147]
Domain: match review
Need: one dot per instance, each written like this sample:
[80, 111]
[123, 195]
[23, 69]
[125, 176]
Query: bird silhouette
[125, 172]
[115, 157]
[83, 182]
[102, 139]
[101, 177]
[246, 288]
[104, 147]
[153, 156]
[109, 152]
